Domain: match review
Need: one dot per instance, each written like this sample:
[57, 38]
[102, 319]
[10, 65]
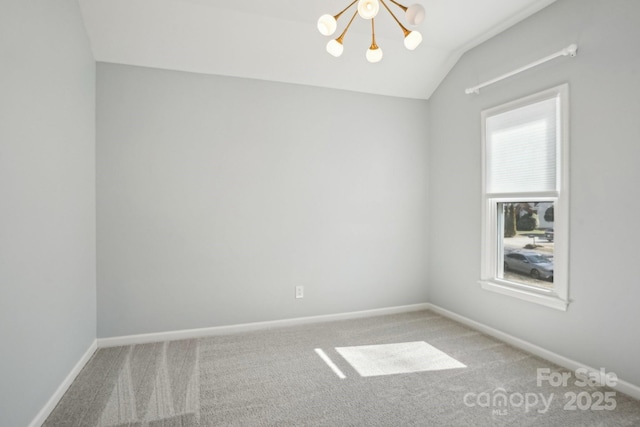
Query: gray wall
[600, 327]
[216, 196]
[47, 199]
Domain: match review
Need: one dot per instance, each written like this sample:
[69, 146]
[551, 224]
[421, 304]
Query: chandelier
[368, 9]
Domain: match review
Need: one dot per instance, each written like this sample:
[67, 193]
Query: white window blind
[522, 149]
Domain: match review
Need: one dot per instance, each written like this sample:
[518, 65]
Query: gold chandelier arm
[406, 32]
[344, 10]
[339, 39]
[373, 35]
[399, 5]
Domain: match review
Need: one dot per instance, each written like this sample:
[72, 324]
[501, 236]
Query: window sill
[547, 299]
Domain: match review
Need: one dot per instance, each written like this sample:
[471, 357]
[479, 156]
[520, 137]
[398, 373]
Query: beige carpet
[413, 369]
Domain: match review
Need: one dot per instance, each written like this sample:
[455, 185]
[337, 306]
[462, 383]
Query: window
[525, 198]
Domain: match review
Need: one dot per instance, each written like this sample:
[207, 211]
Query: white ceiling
[277, 40]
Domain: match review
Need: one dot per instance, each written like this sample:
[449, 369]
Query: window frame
[491, 269]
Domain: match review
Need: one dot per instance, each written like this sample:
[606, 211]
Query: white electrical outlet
[299, 291]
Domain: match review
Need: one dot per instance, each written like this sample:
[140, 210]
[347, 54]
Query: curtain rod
[571, 50]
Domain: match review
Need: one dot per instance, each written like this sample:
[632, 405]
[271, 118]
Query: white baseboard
[621, 386]
[64, 386]
[246, 327]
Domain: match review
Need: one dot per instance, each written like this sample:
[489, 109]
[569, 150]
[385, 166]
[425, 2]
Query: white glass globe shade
[327, 25]
[415, 14]
[368, 9]
[335, 48]
[374, 55]
[413, 40]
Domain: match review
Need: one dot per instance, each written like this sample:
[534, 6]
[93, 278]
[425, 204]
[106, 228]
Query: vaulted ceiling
[277, 40]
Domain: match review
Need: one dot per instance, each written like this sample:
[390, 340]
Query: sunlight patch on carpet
[401, 358]
[330, 363]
